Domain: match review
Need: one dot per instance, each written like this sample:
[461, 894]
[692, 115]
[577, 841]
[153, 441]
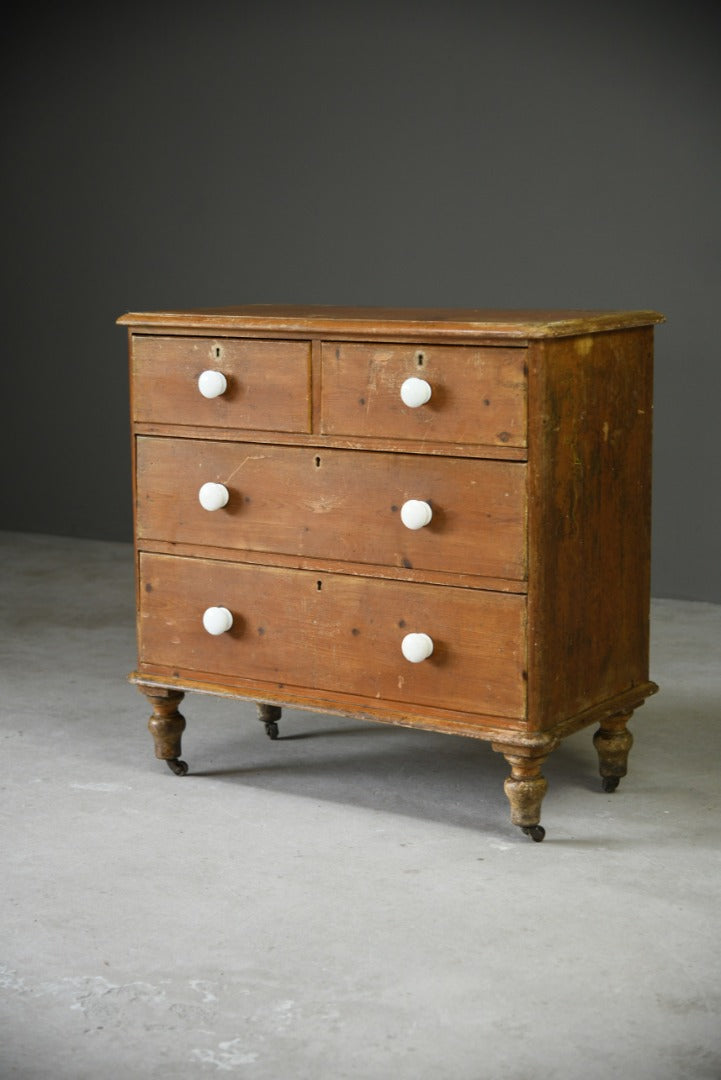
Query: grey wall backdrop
[461, 154]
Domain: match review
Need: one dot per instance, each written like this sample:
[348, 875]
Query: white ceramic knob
[212, 384]
[217, 620]
[415, 514]
[213, 496]
[417, 647]
[415, 392]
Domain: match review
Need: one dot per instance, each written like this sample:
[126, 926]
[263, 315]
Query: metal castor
[610, 783]
[269, 715]
[180, 768]
[536, 832]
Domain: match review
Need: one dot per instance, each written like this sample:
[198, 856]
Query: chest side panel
[590, 409]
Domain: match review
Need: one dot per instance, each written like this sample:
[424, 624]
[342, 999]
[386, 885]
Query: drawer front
[478, 395]
[335, 632]
[268, 382]
[336, 504]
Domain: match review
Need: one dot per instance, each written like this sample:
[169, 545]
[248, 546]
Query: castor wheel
[269, 715]
[177, 766]
[610, 783]
[536, 832]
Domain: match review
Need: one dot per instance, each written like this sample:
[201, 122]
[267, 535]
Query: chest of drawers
[435, 518]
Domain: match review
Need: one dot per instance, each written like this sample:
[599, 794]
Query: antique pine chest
[436, 518]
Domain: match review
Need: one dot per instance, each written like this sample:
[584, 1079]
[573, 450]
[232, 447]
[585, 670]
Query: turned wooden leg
[525, 788]
[269, 715]
[613, 742]
[166, 725]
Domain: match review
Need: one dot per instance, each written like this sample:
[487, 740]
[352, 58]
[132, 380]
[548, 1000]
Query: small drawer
[335, 504]
[477, 395]
[267, 382]
[334, 632]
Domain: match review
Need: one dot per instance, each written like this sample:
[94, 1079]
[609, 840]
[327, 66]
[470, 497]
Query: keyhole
[420, 358]
[317, 463]
[319, 585]
[217, 350]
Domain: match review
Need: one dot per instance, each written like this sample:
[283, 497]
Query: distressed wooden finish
[427, 447]
[525, 787]
[166, 725]
[358, 323]
[505, 731]
[336, 632]
[321, 504]
[479, 395]
[268, 382]
[532, 578]
[589, 520]
[613, 742]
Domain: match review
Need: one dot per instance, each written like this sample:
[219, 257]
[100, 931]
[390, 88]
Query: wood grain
[340, 442]
[478, 395]
[330, 566]
[336, 632]
[268, 382]
[327, 504]
[510, 732]
[534, 453]
[590, 408]
[428, 324]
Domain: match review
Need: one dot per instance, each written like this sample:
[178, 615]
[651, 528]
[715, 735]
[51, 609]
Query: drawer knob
[213, 496]
[415, 514]
[212, 384]
[415, 392]
[217, 620]
[417, 647]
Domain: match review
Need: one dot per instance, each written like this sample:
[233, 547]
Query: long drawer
[267, 382]
[336, 504]
[335, 632]
[477, 395]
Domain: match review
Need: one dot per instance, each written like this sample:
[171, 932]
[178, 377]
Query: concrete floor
[351, 900]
